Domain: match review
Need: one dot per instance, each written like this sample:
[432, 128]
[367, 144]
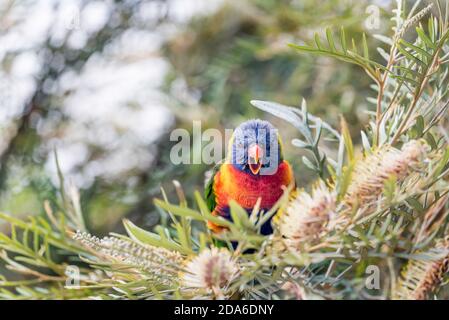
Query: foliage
[222, 61]
[40, 43]
[383, 204]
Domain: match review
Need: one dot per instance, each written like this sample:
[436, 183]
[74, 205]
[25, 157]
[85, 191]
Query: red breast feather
[245, 189]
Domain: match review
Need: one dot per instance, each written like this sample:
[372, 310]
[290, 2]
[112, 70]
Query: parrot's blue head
[255, 148]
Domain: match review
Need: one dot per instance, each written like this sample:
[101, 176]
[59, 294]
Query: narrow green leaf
[151, 238]
[390, 188]
[365, 47]
[318, 41]
[319, 128]
[411, 56]
[239, 216]
[347, 139]
[286, 114]
[344, 180]
[365, 142]
[431, 141]
[330, 39]
[415, 204]
[343, 40]
[300, 144]
[309, 164]
[179, 211]
[419, 125]
[423, 36]
[417, 49]
[384, 39]
[354, 46]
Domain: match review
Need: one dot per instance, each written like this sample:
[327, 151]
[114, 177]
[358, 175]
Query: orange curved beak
[255, 153]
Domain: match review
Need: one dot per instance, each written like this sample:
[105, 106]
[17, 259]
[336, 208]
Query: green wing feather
[209, 187]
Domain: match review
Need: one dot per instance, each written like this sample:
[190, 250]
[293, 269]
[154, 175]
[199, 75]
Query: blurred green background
[103, 83]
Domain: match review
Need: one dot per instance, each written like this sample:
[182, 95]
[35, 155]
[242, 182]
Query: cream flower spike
[306, 216]
[210, 273]
[370, 173]
[421, 278]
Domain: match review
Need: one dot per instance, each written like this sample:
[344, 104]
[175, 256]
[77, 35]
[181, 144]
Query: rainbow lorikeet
[254, 168]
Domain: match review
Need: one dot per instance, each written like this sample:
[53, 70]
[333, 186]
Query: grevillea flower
[305, 216]
[371, 173]
[211, 272]
[421, 277]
